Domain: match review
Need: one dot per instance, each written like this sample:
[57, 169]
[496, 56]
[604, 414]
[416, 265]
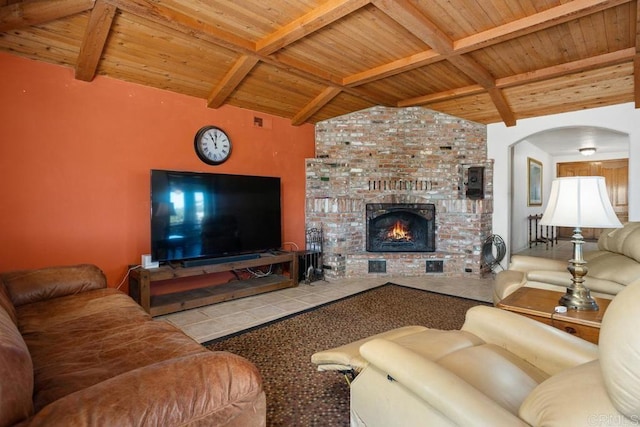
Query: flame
[399, 232]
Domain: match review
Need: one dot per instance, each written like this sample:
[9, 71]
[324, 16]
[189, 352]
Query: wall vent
[435, 266]
[377, 266]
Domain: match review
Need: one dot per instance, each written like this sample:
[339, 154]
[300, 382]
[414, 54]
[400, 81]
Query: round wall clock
[212, 145]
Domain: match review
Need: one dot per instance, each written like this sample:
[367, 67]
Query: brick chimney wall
[398, 155]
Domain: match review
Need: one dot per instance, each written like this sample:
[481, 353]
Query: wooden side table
[539, 304]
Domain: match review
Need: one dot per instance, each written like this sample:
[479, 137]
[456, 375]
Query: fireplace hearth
[400, 227]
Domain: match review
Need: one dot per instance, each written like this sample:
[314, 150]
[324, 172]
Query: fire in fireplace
[399, 233]
[400, 227]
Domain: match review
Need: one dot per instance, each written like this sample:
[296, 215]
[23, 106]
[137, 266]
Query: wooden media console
[284, 274]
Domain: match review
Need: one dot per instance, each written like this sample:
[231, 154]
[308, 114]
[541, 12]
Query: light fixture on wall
[579, 201]
[587, 151]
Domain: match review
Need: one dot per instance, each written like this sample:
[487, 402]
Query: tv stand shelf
[141, 281]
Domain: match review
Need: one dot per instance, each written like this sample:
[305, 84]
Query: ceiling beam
[231, 80]
[318, 18]
[150, 10]
[503, 107]
[600, 61]
[442, 96]
[392, 68]
[550, 17]
[315, 105]
[33, 12]
[604, 60]
[406, 14]
[94, 40]
[163, 15]
[557, 15]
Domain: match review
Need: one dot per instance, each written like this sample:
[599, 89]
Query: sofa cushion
[613, 267]
[575, 397]
[556, 280]
[622, 240]
[81, 340]
[16, 371]
[497, 373]
[101, 309]
[619, 349]
[27, 286]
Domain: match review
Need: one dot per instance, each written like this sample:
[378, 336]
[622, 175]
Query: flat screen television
[196, 215]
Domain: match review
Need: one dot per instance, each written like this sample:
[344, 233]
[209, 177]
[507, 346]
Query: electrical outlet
[148, 263]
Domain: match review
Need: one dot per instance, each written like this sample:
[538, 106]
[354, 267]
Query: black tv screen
[206, 215]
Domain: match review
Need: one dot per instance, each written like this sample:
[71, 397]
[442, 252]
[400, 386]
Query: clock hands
[214, 139]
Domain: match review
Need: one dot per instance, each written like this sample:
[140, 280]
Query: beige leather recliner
[503, 369]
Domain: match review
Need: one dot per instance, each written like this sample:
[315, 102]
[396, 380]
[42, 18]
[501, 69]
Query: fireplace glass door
[400, 227]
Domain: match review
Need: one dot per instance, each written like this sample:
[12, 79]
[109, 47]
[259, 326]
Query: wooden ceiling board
[478, 108]
[57, 42]
[355, 43]
[438, 77]
[278, 91]
[590, 89]
[167, 60]
[172, 51]
[463, 18]
[310, 60]
[342, 104]
[248, 19]
[527, 53]
[130, 71]
[571, 41]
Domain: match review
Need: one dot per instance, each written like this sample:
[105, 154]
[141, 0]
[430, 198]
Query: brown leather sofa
[74, 352]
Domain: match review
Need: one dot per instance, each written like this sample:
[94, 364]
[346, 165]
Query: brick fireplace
[413, 163]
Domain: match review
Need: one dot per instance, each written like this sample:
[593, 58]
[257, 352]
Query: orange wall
[75, 160]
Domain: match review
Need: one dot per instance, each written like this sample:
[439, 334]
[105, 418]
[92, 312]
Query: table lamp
[579, 202]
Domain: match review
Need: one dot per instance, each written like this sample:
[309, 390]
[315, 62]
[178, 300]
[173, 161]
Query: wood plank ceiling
[309, 60]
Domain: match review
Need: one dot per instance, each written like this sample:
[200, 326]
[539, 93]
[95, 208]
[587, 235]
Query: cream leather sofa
[614, 265]
[503, 369]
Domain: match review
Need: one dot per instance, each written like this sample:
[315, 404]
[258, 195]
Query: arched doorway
[558, 146]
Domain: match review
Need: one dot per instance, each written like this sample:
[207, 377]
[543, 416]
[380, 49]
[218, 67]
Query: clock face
[212, 145]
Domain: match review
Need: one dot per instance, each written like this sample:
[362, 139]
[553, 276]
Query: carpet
[299, 395]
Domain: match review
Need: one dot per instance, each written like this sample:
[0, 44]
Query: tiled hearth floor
[214, 321]
[210, 322]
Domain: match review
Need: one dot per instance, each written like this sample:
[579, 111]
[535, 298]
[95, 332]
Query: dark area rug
[299, 395]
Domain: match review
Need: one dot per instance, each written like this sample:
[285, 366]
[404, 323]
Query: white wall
[622, 118]
[520, 210]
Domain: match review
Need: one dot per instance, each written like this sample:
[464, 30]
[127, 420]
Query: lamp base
[578, 296]
[578, 300]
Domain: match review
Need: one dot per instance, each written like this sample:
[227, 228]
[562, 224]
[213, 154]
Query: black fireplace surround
[401, 227]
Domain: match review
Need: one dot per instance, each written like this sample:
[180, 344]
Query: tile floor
[217, 320]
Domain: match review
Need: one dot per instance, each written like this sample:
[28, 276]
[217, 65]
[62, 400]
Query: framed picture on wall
[534, 169]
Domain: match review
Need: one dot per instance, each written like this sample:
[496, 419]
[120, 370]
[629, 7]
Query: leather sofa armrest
[29, 286]
[526, 263]
[439, 388]
[506, 283]
[209, 388]
[544, 346]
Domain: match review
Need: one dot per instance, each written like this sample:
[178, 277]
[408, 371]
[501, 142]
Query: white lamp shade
[580, 201]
